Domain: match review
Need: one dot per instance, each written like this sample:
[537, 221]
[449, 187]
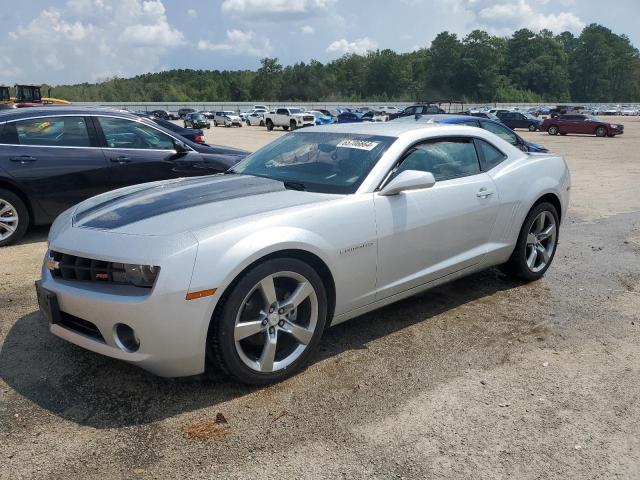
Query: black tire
[208, 127]
[285, 127]
[517, 266]
[293, 125]
[215, 124]
[553, 130]
[221, 345]
[185, 125]
[601, 132]
[269, 125]
[19, 209]
[248, 123]
[532, 128]
[262, 123]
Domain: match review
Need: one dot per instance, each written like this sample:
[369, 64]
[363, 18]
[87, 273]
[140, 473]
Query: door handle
[484, 193]
[24, 159]
[121, 160]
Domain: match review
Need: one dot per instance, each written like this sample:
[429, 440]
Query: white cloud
[88, 40]
[308, 29]
[359, 46]
[278, 9]
[506, 16]
[239, 42]
[192, 13]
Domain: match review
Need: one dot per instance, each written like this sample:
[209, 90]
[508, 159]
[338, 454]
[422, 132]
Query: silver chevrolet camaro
[243, 271]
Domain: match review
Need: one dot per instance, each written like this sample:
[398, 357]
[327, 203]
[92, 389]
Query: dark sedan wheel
[270, 323]
[553, 130]
[601, 132]
[14, 218]
[532, 128]
[536, 244]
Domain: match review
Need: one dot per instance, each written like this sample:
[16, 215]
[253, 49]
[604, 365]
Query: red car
[585, 124]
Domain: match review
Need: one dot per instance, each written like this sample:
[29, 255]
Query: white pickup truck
[289, 118]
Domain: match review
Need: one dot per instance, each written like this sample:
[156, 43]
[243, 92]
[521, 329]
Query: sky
[73, 41]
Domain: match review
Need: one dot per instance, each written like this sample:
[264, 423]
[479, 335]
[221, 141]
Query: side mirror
[408, 180]
[180, 146]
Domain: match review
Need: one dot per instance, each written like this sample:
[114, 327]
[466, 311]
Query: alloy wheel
[8, 219]
[276, 322]
[541, 241]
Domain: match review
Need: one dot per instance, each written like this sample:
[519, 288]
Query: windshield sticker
[359, 144]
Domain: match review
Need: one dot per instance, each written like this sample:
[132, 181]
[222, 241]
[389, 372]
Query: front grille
[81, 326]
[70, 267]
[309, 118]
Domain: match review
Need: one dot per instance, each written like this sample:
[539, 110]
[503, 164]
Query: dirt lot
[483, 378]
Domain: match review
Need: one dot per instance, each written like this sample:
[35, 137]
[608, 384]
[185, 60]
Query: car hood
[188, 204]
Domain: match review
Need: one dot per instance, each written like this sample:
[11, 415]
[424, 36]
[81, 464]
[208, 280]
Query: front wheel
[270, 324]
[293, 125]
[532, 128]
[14, 218]
[215, 124]
[553, 130]
[536, 244]
[601, 132]
[269, 125]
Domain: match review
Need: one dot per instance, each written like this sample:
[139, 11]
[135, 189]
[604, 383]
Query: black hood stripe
[157, 200]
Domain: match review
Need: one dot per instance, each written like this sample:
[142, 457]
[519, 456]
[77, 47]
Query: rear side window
[8, 134]
[122, 133]
[445, 159]
[52, 132]
[490, 156]
[469, 123]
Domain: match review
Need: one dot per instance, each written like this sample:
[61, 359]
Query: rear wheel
[270, 323]
[215, 124]
[553, 130]
[601, 132]
[14, 218]
[532, 128]
[536, 244]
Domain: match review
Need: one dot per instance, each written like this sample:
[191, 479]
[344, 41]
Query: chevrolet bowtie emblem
[53, 264]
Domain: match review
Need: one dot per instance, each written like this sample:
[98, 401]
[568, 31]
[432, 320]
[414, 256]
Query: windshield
[198, 117]
[229, 113]
[530, 117]
[592, 117]
[317, 161]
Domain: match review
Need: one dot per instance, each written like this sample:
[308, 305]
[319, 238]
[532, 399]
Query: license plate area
[48, 303]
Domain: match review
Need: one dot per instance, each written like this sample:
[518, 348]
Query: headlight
[140, 275]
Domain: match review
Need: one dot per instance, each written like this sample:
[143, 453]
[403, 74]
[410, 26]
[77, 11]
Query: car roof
[28, 112]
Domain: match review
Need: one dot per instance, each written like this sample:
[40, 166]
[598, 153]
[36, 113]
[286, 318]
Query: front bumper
[172, 331]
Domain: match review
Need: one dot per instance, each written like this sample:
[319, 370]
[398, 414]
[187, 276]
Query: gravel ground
[482, 378]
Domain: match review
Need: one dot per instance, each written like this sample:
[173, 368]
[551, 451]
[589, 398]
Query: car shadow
[101, 392]
[34, 235]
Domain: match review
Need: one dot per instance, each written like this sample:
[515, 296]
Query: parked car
[174, 116]
[244, 115]
[418, 109]
[388, 109]
[614, 110]
[321, 118]
[289, 118]
[493, 126]
[165, 115]
[564, 110]
[227, 118]
[208, 114]
[196, 120]
[629, 110]
[193, 134]
[375, 116]
[54, 157]
[246, 270]
[515, 120]
[255, 119]
[184, 111]
[584, 124]
[350, 117]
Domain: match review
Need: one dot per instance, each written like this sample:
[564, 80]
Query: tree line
[597, 65]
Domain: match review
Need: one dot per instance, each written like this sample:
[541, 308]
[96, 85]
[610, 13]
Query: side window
[122, 133]
[446, 159]
[410, 111]
[490, 156]
[53, 131]
[469, 123]
[281, 111]
[8, 134]
[501, 131]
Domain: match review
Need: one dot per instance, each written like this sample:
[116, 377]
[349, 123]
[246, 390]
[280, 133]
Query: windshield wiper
[294, 185]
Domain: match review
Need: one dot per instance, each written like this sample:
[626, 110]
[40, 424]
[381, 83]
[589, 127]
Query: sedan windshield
[324, 162]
